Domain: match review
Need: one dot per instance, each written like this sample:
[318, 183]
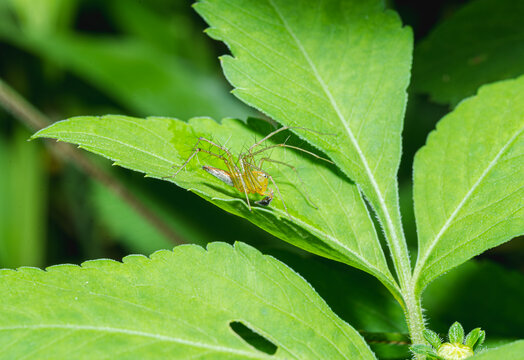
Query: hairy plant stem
[412, 303]
[414, 317]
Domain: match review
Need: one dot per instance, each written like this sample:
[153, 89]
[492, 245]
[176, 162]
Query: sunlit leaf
[338, 67]
[358, 299]
[334, 222]
[176, 305]
[511, 351]
[468, 183]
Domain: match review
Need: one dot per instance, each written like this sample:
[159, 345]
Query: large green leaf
[355, 296]
[358, 299]
[468, 183]
[481, 43]
[512, 351]
[339, 228]
[334, 66]
[176, 305]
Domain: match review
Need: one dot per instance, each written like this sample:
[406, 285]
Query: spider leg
[279, 194]
[224, 149]
[196, 149]
[268, 136]
[236, 178]
[291, 147]
[303, 191]
[243, 182]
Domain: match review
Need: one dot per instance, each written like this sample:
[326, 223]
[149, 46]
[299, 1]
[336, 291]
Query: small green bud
[480, 341]
[432, 338]
[455, 351]
[456, 333]
[472, 337]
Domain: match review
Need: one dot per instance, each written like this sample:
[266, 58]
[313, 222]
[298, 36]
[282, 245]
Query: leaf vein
[113, 330]
[466, 197]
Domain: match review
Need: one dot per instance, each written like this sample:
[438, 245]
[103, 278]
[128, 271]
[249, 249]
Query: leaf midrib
[332, 101]
[123, 144]
[422, 260]
[435, 262]
[158, 337]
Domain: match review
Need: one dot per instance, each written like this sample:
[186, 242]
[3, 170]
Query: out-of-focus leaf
[334, 222]
[174, 32]
[23, 196]
[421, 117]
[140, 76]
[176, 305]
[481, 43]
[135, 232]
[4, 201]
[337, 67]
[43, 17]
[468, 183]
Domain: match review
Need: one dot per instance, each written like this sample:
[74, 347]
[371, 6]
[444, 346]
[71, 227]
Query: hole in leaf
[252, 338]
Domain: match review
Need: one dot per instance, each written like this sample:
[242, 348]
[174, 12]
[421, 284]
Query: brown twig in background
[35, 120]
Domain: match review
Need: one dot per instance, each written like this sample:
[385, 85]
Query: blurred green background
[142, 58]
[71, 58]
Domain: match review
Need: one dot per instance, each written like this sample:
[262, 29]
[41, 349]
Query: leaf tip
[37, 134]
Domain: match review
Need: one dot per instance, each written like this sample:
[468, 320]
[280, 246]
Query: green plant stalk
[400, 255]
[412, 303]
[414, 317]
[399, 252]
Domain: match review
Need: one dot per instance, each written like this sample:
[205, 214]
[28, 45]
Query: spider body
[250, 182]
[245, 172]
